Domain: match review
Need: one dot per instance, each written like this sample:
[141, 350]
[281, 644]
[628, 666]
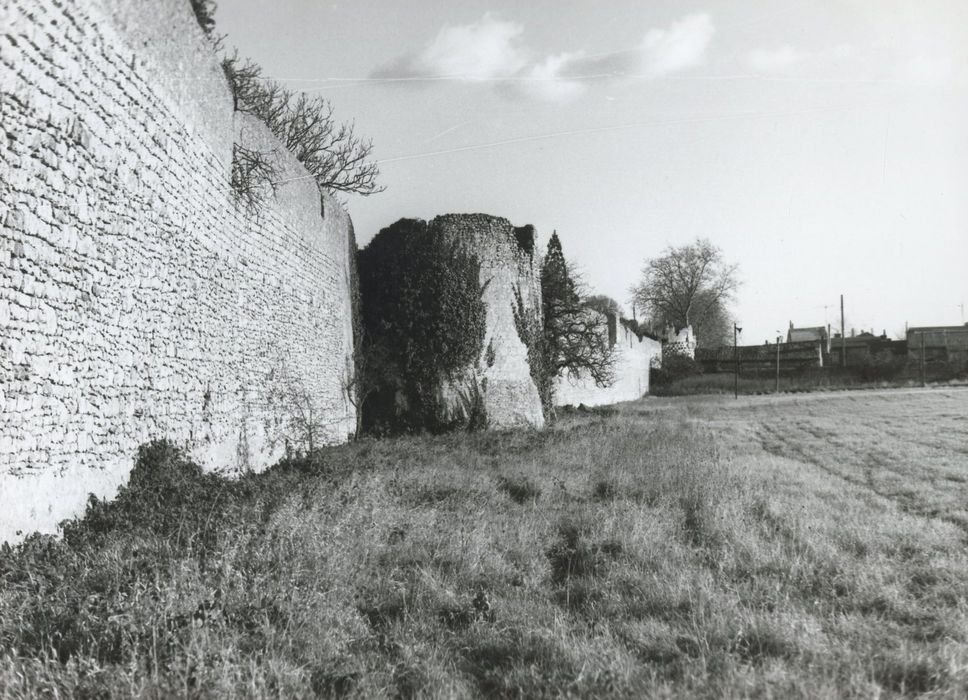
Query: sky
[822, 146]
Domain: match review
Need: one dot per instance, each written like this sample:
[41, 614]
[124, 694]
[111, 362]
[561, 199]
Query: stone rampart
[139, 297]
[633, 358]
[508, 267]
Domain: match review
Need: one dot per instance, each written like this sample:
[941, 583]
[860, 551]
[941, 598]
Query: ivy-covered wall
[446, 341]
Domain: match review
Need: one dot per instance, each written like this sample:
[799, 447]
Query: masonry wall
[793, 356]
[139, 299]
[510, 395]
[633, 358]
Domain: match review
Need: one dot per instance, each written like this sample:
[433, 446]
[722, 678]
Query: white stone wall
[633, 358]
[138, 298]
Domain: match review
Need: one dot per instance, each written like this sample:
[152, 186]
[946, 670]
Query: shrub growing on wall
[422, 307]
[337, 158]
[205, 14]
[530, 328]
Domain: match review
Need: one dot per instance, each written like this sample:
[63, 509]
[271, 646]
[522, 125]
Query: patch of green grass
[799, 547]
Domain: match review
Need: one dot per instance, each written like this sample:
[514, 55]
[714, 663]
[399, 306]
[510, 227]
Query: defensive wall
[139, 298]
[634, 357]
[440, 301]
[508, 268]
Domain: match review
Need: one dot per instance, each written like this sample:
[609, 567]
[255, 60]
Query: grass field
[725, 383]
[793, 546]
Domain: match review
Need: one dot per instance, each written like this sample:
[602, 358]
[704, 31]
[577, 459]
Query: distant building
[794, 356]
[944, 343]
[859, 348]
[809, 334]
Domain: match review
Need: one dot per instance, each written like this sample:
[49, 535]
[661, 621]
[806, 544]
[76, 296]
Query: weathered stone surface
[139, 298]
[507, 264]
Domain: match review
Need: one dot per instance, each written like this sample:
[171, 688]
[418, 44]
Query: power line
[602, 129]
[593, 130]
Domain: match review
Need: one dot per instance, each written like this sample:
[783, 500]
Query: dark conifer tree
[574, 338]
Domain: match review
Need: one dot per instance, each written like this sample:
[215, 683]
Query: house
[944, 343]
[859, 348]
[809, 334]
[793, 356]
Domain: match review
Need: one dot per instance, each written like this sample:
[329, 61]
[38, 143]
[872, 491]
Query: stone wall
[792, 356]
[139, 298]
[633, 359]
[506, 254]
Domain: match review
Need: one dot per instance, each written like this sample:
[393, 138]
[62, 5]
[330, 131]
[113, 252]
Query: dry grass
[808, 546]
[807, 381]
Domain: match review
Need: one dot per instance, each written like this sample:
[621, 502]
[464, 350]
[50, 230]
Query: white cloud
[773, 60]
[490, 50]
[545, 80]
[479, 51]
[683, 45]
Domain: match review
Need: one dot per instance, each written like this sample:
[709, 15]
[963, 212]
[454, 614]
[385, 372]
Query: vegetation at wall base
[646, 551]
[674, 368]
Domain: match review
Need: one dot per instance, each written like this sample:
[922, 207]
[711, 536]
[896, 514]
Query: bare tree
[333, 154]
[688, 285]
[253, 174]
[581, 344]
[300, 421]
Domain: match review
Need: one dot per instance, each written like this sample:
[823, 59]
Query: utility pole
[843, 339]
[736, 332]
[778, 363]
[922, 359]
